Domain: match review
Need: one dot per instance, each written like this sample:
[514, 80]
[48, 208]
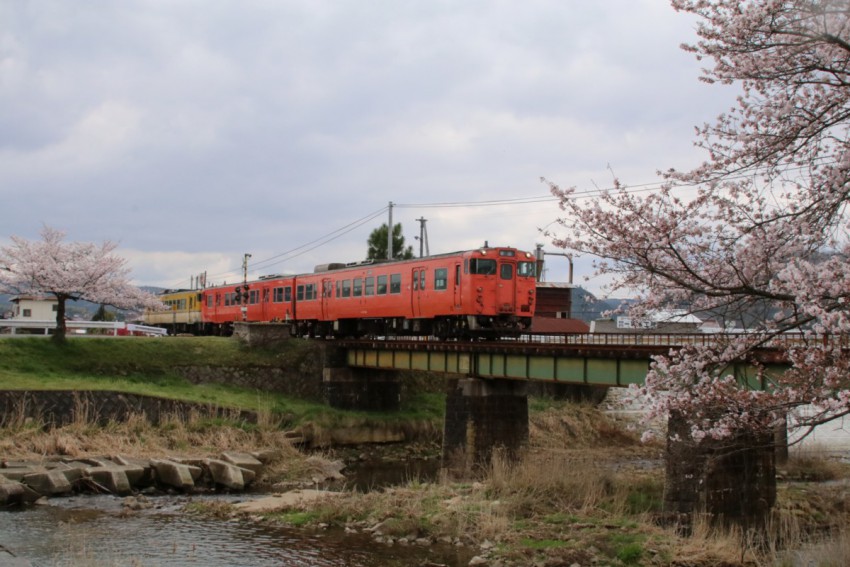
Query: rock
[477, 560]
[282, 501]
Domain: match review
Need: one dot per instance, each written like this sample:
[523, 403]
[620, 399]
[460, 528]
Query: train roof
[335, 266]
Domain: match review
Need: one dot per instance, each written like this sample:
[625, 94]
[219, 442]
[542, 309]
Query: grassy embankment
[148, 367]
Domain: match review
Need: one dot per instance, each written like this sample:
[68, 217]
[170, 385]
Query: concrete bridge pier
[483, 416]
[364, 389]
[729, 482]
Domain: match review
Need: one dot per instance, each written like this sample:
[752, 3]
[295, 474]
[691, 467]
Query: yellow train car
[183, 312]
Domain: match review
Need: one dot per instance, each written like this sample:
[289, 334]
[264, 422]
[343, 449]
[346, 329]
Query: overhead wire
[345, 229]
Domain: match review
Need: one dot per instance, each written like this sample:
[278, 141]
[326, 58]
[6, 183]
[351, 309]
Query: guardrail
[114, 328]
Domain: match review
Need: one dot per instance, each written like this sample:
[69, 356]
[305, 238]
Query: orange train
[487, 292]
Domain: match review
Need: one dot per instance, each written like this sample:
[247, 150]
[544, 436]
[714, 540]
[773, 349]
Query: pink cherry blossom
[757, 235]
[72, 270]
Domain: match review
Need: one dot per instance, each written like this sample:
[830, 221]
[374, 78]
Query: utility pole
[390, 234]
[423, 237]
[245, 268]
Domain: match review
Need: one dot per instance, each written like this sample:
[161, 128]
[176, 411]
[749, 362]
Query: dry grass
[195, 436]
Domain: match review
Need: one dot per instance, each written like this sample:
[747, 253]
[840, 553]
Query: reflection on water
[94, 531]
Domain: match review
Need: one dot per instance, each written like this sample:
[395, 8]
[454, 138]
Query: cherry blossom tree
[69, 271]
[760, 227]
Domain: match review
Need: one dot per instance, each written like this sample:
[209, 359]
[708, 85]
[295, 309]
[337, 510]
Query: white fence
[114, 328]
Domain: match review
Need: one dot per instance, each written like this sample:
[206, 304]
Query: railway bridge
[487, 403]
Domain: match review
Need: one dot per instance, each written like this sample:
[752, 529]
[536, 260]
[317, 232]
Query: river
[95, 531]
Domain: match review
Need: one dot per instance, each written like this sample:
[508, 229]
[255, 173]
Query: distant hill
[587, 307]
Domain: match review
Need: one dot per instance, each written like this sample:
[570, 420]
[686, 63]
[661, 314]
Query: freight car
[487, 292]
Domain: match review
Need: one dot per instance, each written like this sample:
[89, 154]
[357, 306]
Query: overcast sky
[192, 132]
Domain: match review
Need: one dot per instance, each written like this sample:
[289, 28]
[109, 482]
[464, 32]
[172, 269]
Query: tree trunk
[59, 335]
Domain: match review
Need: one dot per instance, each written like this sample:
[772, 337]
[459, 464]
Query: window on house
[27, 312]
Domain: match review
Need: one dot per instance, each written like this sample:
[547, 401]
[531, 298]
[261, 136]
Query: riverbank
[585, 493]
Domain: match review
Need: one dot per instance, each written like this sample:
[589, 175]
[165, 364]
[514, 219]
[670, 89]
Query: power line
[335, 234]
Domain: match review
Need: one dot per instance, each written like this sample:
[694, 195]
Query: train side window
[310, 291]
[441, 277]
[357, 291]
[415, 280]
[254, 296]
[346, 288]
[218, 299]
[395, 283]
[299, 293]
[277, 295]
[210, 301]
[338, 288]
[370, 286]
[422, 280]
[457, 275]
[382, 285]
[287, 294]
[506, 271]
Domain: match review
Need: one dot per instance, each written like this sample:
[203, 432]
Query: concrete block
[242, 460]
[48, 483]
[176, 475]
[112, 478]
[225, 474]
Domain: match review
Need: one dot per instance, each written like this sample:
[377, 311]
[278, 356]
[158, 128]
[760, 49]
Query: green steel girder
[567, 368]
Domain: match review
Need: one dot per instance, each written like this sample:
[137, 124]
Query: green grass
[148, 366]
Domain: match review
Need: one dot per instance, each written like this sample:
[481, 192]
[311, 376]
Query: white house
[34, 308]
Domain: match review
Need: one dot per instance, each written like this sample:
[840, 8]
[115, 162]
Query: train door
[417, 287]
[506, 287]
[458, 296]
[327, 294]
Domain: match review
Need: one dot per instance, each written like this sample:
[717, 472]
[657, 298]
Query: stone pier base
[729, 481]
[483, 416]
[364, 389]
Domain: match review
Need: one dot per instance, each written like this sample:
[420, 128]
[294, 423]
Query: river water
[89, 531]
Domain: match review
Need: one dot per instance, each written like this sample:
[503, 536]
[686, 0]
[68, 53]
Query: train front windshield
[526, 269]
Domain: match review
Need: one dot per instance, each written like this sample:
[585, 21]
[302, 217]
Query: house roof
[18, 298]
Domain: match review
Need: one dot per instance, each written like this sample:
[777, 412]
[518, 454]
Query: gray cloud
[205, 130]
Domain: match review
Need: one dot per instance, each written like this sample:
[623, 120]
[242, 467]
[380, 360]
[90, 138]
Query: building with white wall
[34, 308]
